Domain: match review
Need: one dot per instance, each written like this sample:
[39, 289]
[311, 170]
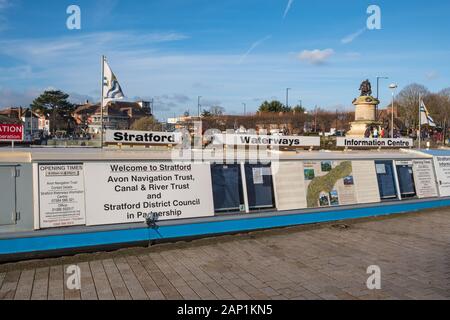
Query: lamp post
[305, 126]
[378, 94]
[198, 106]
[393, 87]
[287, 97]
[378, 84]
[315, 119]
[31, 124]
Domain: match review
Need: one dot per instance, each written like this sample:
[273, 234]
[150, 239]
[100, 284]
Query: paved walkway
[325, 262]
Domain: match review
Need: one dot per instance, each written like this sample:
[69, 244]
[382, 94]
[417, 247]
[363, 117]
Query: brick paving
[311, 262]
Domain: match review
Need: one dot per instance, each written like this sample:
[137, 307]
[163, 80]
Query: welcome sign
[265, 140]
[132, 192]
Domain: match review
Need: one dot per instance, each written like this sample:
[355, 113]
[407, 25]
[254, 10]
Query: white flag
[425, 118]
[111, 86]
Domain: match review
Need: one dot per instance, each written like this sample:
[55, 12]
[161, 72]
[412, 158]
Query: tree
[298, 109]
[408, 100]
[445, 110]
[206, 114]
[54, 102]
[214, 111]
[273, 106]
[217, 111]
[445, 93]
[146, 124]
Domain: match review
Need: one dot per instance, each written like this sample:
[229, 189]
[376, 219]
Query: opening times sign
[424, 179]
[61, 195]
[132, 192]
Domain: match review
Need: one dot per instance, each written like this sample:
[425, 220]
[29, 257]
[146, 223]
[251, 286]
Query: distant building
[34, 123]
[117, 115]
[13, 112]
[6, 120]
[183, 123]
[30, 122]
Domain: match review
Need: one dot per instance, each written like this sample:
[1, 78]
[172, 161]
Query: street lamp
[287, 97]
[198, 106]
[378, 94]
[393, 87]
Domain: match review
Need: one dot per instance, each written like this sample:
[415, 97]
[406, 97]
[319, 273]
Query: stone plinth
[365, 116]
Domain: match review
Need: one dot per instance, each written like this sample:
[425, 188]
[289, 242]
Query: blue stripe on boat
[100, 238]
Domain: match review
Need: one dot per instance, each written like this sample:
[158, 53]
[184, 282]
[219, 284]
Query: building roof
[8, 120]
[114, 108]
[13, 112]
[87, 108]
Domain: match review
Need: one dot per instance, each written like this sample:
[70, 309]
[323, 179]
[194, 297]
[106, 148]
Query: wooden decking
[326, 262]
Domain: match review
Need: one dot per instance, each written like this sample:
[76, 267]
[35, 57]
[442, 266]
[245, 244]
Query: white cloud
[253, 47]
[432, 75]
[351, 37]
[17, 72]
[13, 98]
[316, 57]
[288, 8]
[43, 50]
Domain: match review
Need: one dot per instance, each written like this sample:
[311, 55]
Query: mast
[420, 121]
[101, 103]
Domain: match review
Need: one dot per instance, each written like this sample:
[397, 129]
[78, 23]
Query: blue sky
[229, 52]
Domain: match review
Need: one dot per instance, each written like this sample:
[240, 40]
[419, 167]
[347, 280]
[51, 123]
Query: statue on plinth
[366, 88]
[365, 112]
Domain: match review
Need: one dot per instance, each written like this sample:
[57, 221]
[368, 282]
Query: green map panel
[327, 183]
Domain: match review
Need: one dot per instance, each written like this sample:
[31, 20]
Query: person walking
[375, 133]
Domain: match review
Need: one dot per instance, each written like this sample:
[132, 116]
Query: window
[386, 180]
[227, 188]
[259, 186]
[406, 180]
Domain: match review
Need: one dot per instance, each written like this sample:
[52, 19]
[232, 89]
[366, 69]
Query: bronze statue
[366, 88]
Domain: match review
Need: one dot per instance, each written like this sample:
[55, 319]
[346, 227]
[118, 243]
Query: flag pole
[420, 121]
[101, 103]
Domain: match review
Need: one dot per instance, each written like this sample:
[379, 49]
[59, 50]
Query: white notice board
[61, 195]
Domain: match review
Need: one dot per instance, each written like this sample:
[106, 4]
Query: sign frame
[254, 140]
[80, 195]
[143, 137]
[126, 192]
[16, 139]
[369, 143]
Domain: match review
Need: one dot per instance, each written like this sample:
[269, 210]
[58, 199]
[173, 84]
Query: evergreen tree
[55, 104]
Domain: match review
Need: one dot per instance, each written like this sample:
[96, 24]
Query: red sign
[11, 132]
